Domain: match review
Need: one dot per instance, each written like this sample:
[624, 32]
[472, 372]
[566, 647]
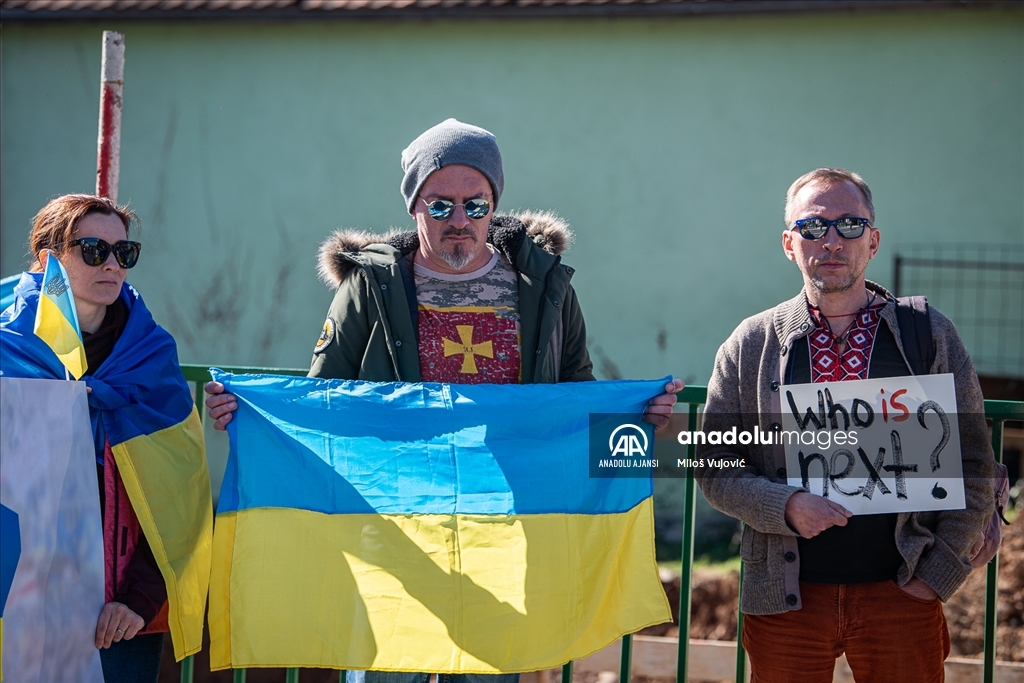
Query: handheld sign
[876, 445]
[52, 534]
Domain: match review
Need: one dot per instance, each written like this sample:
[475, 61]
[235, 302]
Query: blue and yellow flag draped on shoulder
[426, 527]
[142, 404]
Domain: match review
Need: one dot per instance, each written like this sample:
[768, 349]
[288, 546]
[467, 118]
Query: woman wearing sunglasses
[136, 391]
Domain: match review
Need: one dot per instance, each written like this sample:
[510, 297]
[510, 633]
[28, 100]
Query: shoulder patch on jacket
[326, 336]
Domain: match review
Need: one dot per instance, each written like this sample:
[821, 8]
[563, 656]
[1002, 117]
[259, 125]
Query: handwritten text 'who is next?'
[906, 456]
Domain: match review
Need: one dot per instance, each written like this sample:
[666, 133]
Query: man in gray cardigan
[818, 581]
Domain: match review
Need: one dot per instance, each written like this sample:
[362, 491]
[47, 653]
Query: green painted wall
[668, 144]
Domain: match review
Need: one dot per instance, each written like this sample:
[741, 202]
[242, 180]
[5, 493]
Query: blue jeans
[133, 661]
[403, 677]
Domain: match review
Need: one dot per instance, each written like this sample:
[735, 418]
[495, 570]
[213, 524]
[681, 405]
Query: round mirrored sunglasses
[442, 209]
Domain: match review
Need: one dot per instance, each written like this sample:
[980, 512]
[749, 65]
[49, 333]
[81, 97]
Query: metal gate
[981, 289]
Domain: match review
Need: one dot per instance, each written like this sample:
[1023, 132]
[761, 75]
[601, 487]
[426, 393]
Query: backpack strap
[914, 320]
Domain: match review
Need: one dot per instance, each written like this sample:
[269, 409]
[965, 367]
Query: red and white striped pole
[108, 159]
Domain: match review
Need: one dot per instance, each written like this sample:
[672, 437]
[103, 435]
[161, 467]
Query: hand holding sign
[878, 445]
[809, 515]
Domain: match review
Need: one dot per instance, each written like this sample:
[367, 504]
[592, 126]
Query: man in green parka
[470, 297]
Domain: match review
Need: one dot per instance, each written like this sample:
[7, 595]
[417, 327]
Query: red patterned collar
[827, 364]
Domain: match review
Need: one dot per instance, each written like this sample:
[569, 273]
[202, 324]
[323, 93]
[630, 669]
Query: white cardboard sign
[876, 445]
[48, 480]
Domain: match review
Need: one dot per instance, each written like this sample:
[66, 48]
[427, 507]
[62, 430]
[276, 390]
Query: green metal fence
[692, 397]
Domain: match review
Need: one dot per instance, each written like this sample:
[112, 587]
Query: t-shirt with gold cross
[469, 324]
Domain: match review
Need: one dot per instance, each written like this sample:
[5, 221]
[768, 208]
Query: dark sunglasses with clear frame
[95, 251]
[442, 209]
[815, 228]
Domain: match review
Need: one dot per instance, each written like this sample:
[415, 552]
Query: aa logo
[628, 440]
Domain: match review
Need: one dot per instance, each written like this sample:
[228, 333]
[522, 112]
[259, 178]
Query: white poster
[876, 445]
[49, 489]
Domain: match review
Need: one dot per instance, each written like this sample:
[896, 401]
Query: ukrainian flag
[10, 553]
[426, 527]
[141, 405]
[56, 320]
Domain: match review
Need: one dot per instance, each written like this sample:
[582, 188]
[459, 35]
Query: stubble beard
[833, 286]
[836, 283]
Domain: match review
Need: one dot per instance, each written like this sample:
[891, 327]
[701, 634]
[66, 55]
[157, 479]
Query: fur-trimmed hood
[506, 232]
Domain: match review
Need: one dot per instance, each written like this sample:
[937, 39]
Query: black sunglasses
[815, 228]
[95, 251]
[441, 209]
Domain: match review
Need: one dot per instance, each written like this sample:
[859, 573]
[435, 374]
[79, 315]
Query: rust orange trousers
[888, 636]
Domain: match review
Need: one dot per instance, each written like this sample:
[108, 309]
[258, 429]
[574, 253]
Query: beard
[832, 286]
[458, 256]
[835, 283]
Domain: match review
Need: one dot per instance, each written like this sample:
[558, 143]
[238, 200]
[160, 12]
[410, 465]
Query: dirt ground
[965, 610]
[713, 612]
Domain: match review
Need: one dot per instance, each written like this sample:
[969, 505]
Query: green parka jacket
[370, 332]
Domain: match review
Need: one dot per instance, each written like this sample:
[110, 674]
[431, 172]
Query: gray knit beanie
[450, 142]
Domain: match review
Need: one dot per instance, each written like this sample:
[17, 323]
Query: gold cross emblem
[467, 349]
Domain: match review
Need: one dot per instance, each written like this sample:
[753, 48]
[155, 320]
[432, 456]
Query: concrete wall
[668, 144]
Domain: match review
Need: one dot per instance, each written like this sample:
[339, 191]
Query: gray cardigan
[749, 369]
